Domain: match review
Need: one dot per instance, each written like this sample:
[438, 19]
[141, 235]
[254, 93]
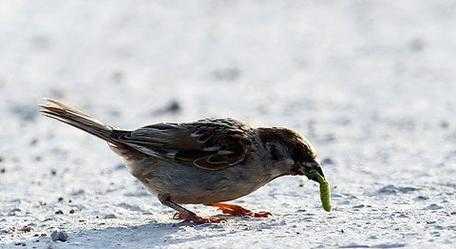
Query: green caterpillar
[325, 193]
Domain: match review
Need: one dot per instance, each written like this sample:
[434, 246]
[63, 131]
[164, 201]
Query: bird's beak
[315, 173]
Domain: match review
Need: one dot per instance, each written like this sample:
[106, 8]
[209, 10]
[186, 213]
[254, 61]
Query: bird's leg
[185, 214]
[238, 210]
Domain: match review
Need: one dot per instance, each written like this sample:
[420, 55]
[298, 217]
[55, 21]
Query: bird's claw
[236, 210]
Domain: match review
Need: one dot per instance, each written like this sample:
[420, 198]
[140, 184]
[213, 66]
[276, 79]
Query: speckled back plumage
[211, 144]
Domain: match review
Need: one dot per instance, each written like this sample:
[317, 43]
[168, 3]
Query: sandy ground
[372, 84]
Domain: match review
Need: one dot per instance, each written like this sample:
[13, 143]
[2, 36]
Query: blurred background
[371, 83]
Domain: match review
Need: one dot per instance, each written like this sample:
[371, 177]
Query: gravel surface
[372, 84]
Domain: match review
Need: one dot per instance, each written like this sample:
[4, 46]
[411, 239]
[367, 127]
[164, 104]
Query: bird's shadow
[141, 236]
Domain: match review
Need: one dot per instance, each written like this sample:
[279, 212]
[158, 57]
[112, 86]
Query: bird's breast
[187, 184]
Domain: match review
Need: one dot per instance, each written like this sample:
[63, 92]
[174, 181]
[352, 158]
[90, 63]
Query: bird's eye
[275, 153]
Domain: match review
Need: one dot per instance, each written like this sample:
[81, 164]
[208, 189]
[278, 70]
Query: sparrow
[208, 162]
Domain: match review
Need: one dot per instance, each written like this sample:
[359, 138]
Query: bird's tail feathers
[76, 118]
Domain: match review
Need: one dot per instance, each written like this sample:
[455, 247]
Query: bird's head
[291, 153]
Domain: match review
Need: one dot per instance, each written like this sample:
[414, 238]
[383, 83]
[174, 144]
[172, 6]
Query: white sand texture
[371, 83]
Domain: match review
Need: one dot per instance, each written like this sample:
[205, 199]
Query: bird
[208, 162]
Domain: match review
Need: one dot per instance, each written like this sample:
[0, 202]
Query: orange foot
[186, 217]
[239, 211]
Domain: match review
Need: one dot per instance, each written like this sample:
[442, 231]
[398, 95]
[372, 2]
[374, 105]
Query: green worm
[325, 193]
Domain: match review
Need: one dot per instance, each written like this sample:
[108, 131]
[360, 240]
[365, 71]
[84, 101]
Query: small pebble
[172, 107]
[78, 192]
[117, 76]
[25, 229]
[59, 236]
[34, 142]
[444, 124]
[434, 207]
[327, 161]
[417, 44]
[391, 189]
[59, 212]
[110, 216]
[421, 198]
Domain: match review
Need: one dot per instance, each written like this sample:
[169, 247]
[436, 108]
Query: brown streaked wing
[210, 144]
